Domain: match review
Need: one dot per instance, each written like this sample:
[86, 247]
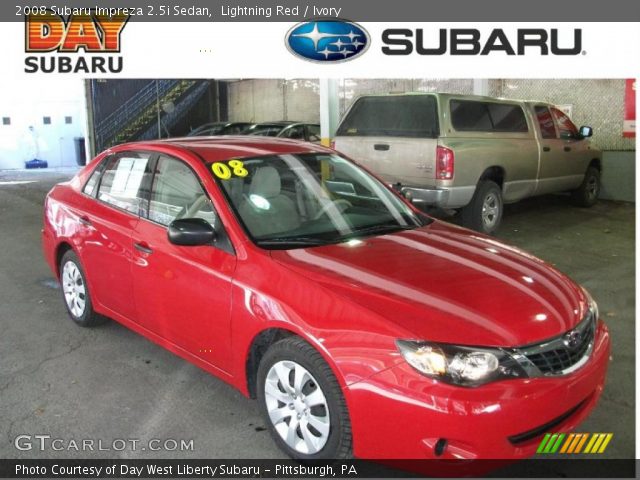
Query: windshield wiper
[379, 229]
[293, 241]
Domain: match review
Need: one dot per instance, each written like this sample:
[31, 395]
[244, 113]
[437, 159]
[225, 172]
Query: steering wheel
[334, 203]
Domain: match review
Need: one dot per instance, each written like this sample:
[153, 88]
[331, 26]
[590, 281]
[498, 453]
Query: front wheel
[586, 195]
[302, 402]
[484, 212]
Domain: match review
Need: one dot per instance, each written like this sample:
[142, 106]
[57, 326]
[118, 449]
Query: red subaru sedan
[363, 327]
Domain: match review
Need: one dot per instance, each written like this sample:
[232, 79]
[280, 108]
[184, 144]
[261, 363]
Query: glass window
[68, 120]
[290, 201]
[314, 133]
[234, 129]
[123, 182]
[296, 132]
[468, 116]
[545, 121]
[507, 118]
[264, 130]
[46, 120]
[177, 193]
[92, 183]
[473, 116]
[392, 115]
[6, 120]
[565, 125]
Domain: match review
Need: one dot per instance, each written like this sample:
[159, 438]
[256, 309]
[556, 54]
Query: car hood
[447, 284]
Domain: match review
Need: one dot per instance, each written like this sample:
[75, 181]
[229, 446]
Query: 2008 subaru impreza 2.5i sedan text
[363, 327]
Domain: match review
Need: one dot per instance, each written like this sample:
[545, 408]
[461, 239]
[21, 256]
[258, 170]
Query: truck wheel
[586, 195]
[484, 212]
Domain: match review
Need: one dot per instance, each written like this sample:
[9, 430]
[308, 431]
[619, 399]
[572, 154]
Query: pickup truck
[471, 154]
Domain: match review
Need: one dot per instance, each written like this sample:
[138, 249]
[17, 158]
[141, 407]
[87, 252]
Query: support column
[481, 86]
[329, 109]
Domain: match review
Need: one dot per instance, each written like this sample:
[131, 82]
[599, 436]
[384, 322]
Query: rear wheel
[75, 292]
[484, 212]
[586, 195]
[302, 402]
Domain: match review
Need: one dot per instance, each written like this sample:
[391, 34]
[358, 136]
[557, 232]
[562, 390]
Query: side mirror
[586, 131]
[191, 232]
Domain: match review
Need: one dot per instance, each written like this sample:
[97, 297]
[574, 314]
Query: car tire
[586, 195]
[75, 292]
[484, 212]
[322, 426]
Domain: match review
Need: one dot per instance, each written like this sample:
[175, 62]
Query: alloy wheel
[490, 210]
[593, 187]
[297, 407]
[74, 289]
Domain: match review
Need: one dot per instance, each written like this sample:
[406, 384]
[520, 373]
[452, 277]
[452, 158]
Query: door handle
[84, 220]
[383, 147]
[143, 247]
[567, 149]
[546, 149]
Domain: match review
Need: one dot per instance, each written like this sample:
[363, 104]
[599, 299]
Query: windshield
[292, 201]
[392, 115]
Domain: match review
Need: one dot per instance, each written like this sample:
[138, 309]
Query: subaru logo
[572, 339]
[329, 41]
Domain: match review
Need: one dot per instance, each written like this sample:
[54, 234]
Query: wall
[25, 103]
[274, 99]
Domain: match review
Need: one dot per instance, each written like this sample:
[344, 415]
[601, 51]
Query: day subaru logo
[329, 41]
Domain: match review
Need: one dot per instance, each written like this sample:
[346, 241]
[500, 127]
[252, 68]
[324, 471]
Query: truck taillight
[444, 163]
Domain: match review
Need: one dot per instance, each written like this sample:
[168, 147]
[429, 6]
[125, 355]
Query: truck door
[561, 152]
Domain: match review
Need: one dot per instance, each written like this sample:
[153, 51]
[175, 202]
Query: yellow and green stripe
[574, 443]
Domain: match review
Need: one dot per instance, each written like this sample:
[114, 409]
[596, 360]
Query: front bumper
[400, 414]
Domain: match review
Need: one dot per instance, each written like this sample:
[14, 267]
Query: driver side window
[177, 193]
[565, 125]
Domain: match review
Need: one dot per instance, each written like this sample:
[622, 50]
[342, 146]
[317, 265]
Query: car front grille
[565, 353]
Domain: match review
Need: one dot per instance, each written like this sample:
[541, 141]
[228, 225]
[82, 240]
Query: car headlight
[593, 306]
[460, 365]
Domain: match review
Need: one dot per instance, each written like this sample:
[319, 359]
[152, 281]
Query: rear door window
[123, 181]
[92, 184]
[393, 116]
[474, 116]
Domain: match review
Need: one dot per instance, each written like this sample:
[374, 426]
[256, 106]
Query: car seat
[265, 210]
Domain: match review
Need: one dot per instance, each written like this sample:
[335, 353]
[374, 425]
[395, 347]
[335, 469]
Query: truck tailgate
[410, 161]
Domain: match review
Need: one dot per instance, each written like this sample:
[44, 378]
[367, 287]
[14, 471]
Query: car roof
[443, 95]
[213, 149]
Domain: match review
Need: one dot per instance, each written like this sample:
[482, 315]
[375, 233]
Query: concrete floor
[108, 383]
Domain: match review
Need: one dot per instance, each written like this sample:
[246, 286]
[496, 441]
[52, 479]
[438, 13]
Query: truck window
[545, 121]
[565, 125]
[474, 116]
[394, 116]
[507, 118]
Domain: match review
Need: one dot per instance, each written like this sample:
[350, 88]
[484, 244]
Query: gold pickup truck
[471, 153]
